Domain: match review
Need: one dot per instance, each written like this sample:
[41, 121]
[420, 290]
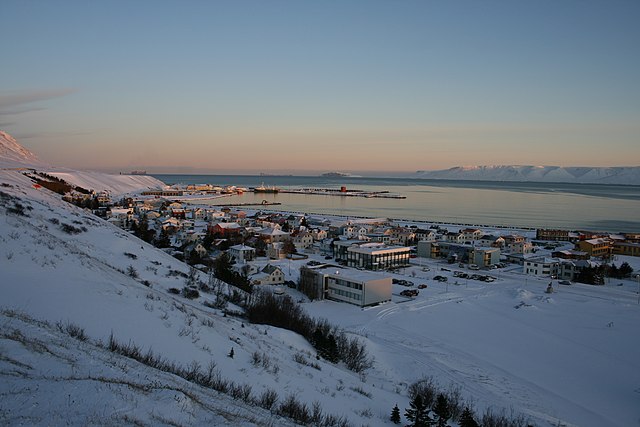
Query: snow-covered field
[569, 358]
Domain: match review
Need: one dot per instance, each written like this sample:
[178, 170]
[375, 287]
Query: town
[354, 260]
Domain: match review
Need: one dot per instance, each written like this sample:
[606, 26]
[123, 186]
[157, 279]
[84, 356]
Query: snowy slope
[583, 175]
[14, 155]
[570, 358]
[115, 184]
[81, 278]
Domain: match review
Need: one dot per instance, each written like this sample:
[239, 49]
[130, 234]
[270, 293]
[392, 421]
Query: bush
[70, 229]
[267, 399]
[190, 293]
[72, 330]
[132, 272]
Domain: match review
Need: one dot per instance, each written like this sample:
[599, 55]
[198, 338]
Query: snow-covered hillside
[563, 359]
[583, 175]
[14, 155]
[61, 264]
[114, 184]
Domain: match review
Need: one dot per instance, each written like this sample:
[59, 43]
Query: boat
[263, 189]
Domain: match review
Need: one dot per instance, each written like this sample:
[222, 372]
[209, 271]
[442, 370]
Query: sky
[310, 86]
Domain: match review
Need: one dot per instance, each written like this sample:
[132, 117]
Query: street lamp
[638, 280]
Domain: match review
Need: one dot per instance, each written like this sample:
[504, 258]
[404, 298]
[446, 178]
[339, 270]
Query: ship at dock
[265, 189]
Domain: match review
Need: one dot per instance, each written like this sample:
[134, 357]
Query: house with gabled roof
[268, 275]
[226, 229]
[273, 235]
[242, 253]
[302, 240]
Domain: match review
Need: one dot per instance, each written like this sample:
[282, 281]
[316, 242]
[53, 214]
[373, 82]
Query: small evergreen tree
[625, 270]
[466, 419]
[441, 409]
[395, 415]
[231, 353]
[417, 413]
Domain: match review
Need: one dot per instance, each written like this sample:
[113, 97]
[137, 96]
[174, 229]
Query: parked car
[328, 257]
[565, 282]
[422, 286]
[473, 267]
[440, 278]
[409, 293]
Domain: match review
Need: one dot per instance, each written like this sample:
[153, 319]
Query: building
[570, 254]
[371, 256]
[626, 248]
[484, 257]
[269, 275]
[542, 266]
[595, 247]
[360, 288]
[242, 253]
[427, 249]
[549, 234]
[163, 193]
[226, 229]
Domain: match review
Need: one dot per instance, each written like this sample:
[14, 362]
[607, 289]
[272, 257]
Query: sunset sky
[306, 86]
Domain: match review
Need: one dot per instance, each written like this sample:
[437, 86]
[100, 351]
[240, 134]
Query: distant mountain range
[582, 175]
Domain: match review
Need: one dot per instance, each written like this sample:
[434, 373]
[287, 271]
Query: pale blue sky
[242, 86]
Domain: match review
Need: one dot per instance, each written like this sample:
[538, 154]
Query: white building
[371, 256]
[242, 253]
[360, 288]
[542, 266]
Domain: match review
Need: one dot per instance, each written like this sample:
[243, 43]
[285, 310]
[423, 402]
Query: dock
[343, 192]
[263, 203]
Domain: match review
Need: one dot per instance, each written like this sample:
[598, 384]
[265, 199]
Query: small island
[335, 175]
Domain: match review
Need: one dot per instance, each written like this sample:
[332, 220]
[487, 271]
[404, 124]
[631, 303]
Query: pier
[263, 203]
[344, 193]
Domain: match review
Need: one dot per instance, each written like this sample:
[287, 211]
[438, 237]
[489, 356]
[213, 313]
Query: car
[565, 282]
[328, 257]
[395, 281]
[473, 267]
[426, 269]
[440, 278]
[409, 293]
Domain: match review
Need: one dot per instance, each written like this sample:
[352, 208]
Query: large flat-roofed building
[371, 256]
[595, 247]
[361, 288]
[626, 248]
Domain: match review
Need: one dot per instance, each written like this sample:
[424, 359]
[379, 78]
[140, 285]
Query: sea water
[596, 207]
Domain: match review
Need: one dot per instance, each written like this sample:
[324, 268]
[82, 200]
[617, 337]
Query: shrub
[190, 293]
[72, 330]
[267, 399]
[70, 229]
[132, 272]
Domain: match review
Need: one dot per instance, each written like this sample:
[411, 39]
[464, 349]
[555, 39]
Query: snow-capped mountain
[582, 175]
[14, 155]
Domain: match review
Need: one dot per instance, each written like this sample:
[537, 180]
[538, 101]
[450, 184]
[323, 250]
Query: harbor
[342, 192]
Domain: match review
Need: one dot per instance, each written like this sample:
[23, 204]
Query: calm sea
[613, 208]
